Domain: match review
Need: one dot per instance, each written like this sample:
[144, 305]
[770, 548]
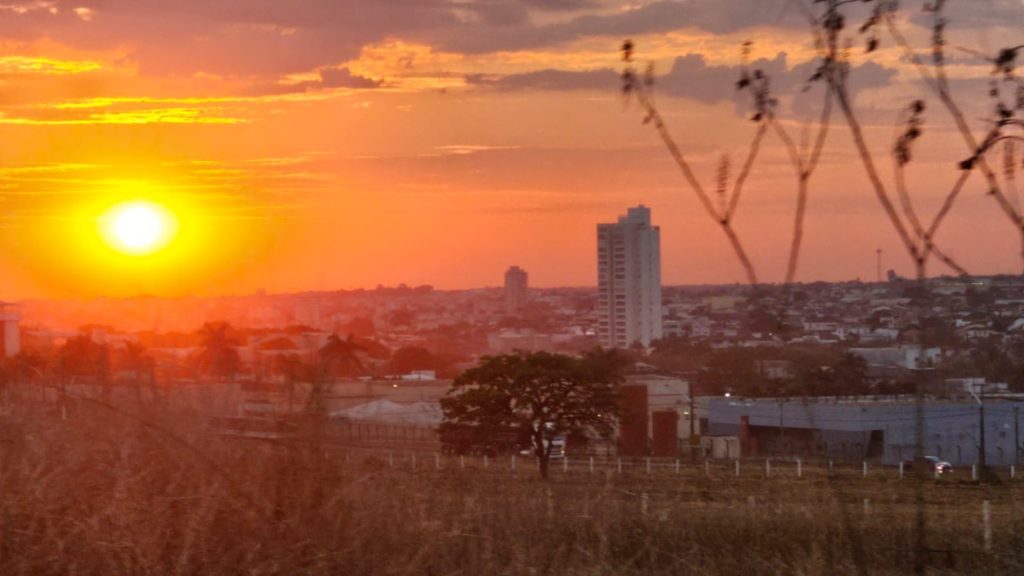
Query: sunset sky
[322, 144]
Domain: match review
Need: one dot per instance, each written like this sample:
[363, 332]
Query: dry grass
[103, 494]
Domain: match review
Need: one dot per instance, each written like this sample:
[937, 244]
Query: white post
[1013, 472]
[620, 465]
[591, 464]
[767, 467]
[830, 467]
[974, 472]
[565, 464]
[986, 525]
[865, 468]
[901, 470]
[799, 468]
[513, 463]
[737, 468]
[648, 465]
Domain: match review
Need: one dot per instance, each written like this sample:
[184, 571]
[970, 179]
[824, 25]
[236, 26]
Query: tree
[218, 355]
[539, 394]
[340, 357]
[134, 358]
[409, 358]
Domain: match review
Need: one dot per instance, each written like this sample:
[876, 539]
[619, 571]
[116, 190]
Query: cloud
[325, 78]
[274, 38]
[604, 79]
[690, 77]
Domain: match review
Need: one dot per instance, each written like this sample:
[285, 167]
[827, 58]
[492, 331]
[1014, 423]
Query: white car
[938, 465]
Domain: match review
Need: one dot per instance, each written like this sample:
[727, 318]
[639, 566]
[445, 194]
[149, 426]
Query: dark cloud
[690, 77]
[605, 79]
[718, 16]
[268, 37]
[977, 14]
[340, 77]
[264, 38]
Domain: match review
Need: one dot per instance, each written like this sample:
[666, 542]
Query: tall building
[9, 318]
[629, 280]
[515, 289]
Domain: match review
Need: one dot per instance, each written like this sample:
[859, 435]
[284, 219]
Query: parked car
[932, 464]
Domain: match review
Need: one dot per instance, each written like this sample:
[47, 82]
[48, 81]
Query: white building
[629, 280]
[516, 285]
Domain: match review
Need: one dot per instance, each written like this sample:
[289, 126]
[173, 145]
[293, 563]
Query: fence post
[799, 468]
[901, 470]
[974, 471]
[591, 464]
[986, 523]
[865, 468]
[737, 468]
[829, 467]
[677, 465]
[767, 467]
[1013, 471]
[565, 463]
[648, 465]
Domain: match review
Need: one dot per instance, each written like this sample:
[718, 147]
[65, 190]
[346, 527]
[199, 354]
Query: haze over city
[511, 287]
[321, 145]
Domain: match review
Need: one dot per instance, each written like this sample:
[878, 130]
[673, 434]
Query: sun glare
[138, 227]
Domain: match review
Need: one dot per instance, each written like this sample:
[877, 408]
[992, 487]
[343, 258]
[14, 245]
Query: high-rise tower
[629, 280]
[515, 289]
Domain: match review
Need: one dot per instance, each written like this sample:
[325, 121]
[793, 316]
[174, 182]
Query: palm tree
[337, 357]
[134, 358]
[218, 355]
[340, 357]
[290, 366]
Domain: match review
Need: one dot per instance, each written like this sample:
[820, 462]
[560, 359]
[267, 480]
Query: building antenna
[878, 268]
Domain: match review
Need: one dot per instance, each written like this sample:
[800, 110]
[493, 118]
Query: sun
[138, 227]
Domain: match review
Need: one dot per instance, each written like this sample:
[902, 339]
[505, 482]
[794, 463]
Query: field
[102, 493]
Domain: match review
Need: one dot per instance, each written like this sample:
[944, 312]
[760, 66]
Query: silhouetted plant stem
[673, 149]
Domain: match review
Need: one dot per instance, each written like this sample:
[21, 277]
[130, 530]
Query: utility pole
[1016, 434]
[782, 427]
[693, 427]
[980, 399]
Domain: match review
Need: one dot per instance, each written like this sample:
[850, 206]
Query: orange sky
[317, 144]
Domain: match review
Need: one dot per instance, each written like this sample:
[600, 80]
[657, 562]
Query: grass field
[160, 494]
